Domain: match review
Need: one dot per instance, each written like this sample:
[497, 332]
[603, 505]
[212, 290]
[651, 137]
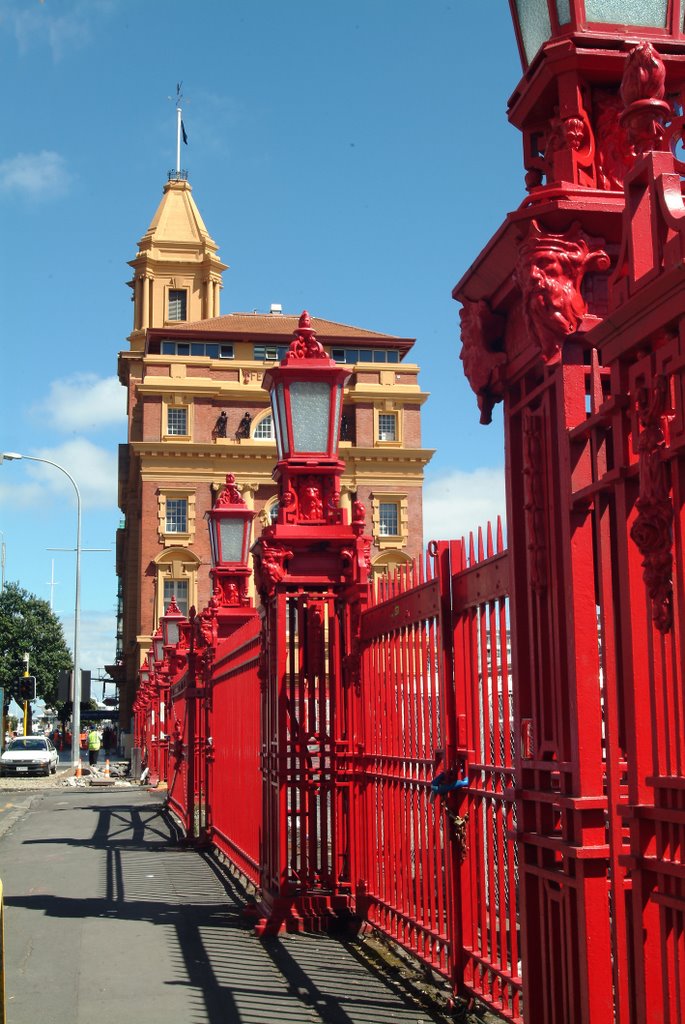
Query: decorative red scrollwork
[230, 495]
[570, 149]
[652, 530]
[615, 155]
[270, 562]
[643, 87]
[311, 501]
[482, 336]
[534, 499]
[550, 271]
[305, 344]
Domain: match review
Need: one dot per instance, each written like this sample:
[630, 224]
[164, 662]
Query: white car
[27, 754]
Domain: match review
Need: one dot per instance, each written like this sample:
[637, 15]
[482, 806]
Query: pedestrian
[107, 741]
[93, 746]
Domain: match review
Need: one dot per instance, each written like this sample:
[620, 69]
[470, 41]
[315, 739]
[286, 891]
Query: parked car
[27, 754]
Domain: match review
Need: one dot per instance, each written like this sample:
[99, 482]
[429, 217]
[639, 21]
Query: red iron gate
[486, 744]
[234, 780]
[305, 851]
[440, 874]
[181, 746]
[406, 862]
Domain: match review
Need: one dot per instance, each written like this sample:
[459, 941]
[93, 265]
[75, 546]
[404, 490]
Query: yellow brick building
[197, 411]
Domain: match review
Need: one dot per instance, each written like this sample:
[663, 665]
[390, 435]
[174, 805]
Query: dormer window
[178, 299]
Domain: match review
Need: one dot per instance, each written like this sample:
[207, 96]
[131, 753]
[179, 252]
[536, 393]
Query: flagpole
[178, 140]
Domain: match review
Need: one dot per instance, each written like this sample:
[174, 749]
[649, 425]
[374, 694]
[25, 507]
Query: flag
[183, 132]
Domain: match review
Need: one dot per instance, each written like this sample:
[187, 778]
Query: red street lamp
[158, 647]
[229, 522]
[540, 21]
[170, 624]
[144, 673]
[230, 528]
[306, 393]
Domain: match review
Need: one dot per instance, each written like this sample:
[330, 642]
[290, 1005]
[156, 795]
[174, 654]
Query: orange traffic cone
[106, 773]
[77, 773]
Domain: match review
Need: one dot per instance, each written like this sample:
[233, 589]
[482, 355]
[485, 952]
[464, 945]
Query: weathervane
[180, 127]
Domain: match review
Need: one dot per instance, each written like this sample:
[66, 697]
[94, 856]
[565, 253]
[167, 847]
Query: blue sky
[348, 158]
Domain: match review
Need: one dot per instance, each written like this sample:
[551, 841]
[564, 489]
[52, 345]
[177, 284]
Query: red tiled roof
[273, 325]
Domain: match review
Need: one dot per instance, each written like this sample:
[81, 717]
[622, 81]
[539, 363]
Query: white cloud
[457, 503]
[93, 468]
[72, 28]
[41, 175]
[84, 402]
[97, 640]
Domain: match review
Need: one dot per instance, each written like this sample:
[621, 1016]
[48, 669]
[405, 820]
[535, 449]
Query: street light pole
[76, 712]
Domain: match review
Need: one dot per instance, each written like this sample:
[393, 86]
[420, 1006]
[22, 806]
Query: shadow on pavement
[232, 977]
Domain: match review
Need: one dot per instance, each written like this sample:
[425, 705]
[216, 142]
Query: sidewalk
[106, 913]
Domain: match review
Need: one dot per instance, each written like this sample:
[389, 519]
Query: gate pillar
[305, 563]
[531, 301]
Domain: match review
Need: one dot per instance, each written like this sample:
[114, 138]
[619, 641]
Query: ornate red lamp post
[541, 307]
[602, 22]
[157, 685]
[306, 401]
[230, 528]
[307, 564]
[144, 679]
[173, 647]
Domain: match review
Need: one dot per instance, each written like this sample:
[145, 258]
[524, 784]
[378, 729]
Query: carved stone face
[550, 299]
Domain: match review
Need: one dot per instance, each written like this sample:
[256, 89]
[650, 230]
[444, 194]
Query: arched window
[264, 431]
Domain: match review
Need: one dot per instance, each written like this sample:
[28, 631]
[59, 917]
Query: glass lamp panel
[247, 536]
[211, 526]
[336, 418]
[535, 25]
[564, 11]
[275, 416]
[284, 447]
[232, 530]
[172, 632]
[309, 406]
[158, 645]
[650, 13]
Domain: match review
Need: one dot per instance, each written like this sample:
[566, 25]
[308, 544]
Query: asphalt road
[108, 917]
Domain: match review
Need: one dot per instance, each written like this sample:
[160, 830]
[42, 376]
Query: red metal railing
[305, 746]
[440, 870]
[180, 744]
[485, 813]
[234, 779]
[405, 859]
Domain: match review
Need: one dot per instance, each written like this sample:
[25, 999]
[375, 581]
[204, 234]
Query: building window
[270, 353]
[365, 355]
[176, 515]
[208, 349]
[264, 431]
[387, 426]
[178, 590]
[178, 298]
[388, 519]
[177, 421]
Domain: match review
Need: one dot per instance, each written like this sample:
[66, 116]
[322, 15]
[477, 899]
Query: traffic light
[27, 688]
